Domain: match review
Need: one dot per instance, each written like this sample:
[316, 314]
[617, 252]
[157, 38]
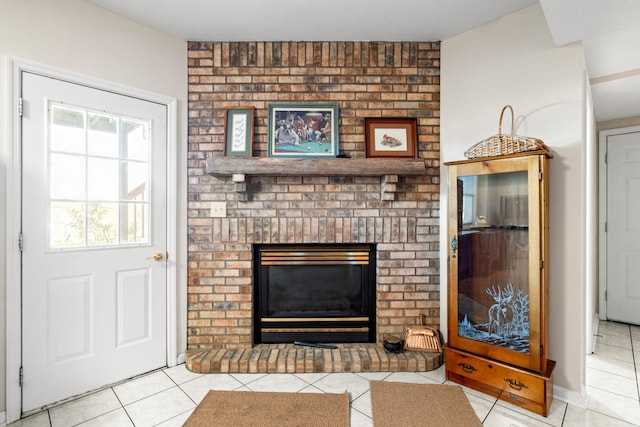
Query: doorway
[620, 225]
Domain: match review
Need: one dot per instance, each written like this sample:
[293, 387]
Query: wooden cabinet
[497, 290]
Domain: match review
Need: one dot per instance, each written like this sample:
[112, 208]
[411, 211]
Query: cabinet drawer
[499, 376]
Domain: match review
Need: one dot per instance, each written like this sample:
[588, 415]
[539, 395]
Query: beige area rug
[423, 405]
[267, 409]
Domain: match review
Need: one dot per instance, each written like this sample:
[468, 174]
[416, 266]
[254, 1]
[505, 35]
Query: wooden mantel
[387, 169]
[220, 166]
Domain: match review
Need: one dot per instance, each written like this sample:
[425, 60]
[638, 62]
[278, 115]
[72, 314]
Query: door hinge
[539, 175]
[540, 264]
[20, 108]
[605, 295]
[21, 376]
[21, 242]
[605, 226]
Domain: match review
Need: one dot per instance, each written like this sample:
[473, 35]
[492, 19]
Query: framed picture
[385, 137]
[303, 130]
[238, 131]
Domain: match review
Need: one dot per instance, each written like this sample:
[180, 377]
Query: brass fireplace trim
[272, 330]
[314, 319]
[313, 256]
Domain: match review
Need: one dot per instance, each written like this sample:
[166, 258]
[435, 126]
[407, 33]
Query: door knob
[158, 256]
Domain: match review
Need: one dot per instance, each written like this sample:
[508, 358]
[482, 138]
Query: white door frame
[602, 214]
[14, 214]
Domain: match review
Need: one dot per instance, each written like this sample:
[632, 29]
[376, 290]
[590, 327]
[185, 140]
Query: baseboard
[571, 397]
[3, 419]
[181, 358]
[594, 330]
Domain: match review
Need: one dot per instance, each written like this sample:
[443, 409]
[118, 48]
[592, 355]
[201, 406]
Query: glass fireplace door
[495, 259]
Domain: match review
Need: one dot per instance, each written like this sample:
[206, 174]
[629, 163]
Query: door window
[99, 175]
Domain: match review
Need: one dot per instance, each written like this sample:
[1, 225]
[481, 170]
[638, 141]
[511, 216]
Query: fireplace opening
[314, 293]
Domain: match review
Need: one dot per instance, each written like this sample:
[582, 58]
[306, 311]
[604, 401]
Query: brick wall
[365, 79]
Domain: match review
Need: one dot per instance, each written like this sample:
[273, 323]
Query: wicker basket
[503, 144]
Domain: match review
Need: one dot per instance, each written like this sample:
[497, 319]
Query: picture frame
[391, 137]
[303, 130]
[238, 131]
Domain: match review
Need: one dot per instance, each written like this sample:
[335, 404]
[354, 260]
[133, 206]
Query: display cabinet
[497, 290]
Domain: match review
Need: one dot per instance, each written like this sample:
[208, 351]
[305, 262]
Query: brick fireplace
[396, 212]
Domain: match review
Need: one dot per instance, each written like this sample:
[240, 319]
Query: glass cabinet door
[496, 292]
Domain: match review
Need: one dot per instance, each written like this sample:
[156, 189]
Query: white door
[94, 239]
[623, 227]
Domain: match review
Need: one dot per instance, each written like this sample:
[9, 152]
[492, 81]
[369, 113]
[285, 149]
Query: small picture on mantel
[391, 137]
[238, 131]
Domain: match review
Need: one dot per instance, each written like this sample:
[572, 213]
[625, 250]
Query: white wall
[514, 61]
[77, 37]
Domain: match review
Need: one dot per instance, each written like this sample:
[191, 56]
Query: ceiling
[608, 29]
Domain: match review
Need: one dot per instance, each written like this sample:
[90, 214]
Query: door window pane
[136, 134]
[67, 132]
[135, 223]
[102, 224]
[67, 225]
[134, 178]
[103, 135]
[103, 179]
[67, 176]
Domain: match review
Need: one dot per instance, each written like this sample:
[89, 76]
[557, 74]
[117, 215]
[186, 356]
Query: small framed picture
[238, 131]
[303, 130]
[391, 137]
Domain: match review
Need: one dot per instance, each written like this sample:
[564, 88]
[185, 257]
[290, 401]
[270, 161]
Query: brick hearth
[289, 358]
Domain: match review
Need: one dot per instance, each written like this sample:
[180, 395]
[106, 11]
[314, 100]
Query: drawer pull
[515, 384]
[467, 368]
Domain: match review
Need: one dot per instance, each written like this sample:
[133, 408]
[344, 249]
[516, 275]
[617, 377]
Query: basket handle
[501, 114]
[423, 319]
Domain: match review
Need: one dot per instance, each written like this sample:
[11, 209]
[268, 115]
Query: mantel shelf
[225, 166]
[387, 169]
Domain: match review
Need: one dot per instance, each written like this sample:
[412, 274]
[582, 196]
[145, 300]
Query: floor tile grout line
[613, 392]
[615, 346]
[122, 406]
[564, 415]
[612, 359]
[172, 380]
[360, 412]
[608, 415]
[169, 419]
[635, 370]
[187, 394]
[155, 394]
[102, 415]
[617, 374]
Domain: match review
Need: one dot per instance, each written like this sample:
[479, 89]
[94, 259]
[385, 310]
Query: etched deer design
[498, 311]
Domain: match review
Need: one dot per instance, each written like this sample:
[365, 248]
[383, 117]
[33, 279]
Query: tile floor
[168, 396]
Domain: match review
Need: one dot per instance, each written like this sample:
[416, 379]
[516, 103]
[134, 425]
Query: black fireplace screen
[318, 293]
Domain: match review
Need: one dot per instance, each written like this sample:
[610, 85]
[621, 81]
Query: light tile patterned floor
[167, 397]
